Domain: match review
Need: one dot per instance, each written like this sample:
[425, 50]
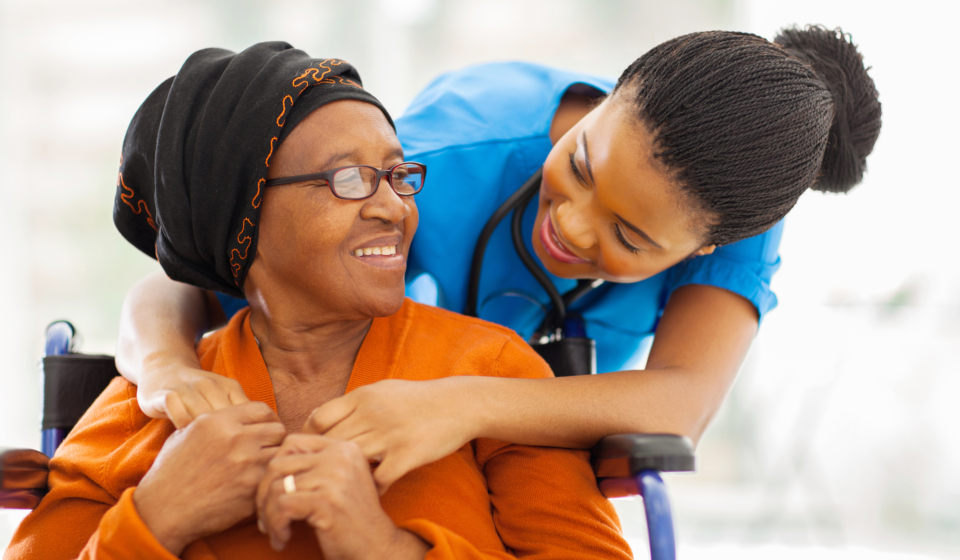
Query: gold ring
[289, 486]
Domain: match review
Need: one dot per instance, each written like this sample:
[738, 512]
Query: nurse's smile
[554, 246]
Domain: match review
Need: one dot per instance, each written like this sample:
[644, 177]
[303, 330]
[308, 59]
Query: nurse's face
[608, 209]
[326, 258]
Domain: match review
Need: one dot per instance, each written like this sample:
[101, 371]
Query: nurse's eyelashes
[386, 250]
[576, 170]
[623, 240]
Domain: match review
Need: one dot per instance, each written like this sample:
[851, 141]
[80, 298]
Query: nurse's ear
[705, 250]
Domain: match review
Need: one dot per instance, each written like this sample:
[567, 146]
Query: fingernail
[260, 526]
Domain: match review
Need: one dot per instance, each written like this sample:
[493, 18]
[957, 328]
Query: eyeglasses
[356, 182]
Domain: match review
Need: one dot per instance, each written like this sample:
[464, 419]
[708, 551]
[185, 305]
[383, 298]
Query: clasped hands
[230, 463]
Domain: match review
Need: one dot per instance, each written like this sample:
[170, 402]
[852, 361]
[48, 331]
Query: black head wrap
[195, 156]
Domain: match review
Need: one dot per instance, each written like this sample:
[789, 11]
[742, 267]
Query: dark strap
[70, 385]
[569, 356]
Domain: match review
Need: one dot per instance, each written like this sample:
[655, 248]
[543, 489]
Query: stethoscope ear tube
[555, 319]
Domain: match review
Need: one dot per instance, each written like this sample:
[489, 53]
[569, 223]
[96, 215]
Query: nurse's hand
[181, 394]
[400, 424]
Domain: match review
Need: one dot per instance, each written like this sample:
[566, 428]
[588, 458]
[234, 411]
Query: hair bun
[856, 121]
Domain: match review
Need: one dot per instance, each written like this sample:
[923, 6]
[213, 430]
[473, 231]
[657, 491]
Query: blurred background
[840, 438]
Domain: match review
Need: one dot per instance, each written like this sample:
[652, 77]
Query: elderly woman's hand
[332, 490]
[205, 478]
[402, 425]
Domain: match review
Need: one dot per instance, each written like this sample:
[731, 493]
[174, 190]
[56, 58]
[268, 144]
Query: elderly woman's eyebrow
[356, 158]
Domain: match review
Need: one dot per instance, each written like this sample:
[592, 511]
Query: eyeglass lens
[359, 182]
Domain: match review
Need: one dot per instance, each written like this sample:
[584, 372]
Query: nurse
[670, 185]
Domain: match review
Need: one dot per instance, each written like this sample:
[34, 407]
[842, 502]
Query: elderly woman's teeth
[388, 251]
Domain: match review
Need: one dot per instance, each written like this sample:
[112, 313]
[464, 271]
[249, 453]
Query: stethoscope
[561, 339]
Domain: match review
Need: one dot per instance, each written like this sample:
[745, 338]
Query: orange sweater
[488, 500]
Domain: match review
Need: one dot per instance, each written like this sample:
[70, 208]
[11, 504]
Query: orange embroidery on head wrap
[128, 194]
[255, 202]
[242, 238]
[302, 82]
[281, 119]
[272, 140]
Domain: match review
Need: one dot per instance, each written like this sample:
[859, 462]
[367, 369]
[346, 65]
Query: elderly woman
[275, 176]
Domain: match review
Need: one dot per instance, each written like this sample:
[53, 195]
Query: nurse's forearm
[576, 412]
[160, 323]
[700, 344]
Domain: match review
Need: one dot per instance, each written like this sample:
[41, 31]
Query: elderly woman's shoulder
[456, 322]
[113, 444]
[464, 345]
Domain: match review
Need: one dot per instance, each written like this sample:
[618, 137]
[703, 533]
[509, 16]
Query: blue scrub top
[482, 132]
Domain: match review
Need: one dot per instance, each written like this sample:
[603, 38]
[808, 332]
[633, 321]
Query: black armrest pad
[23, 478]
[70, 385]
[625, 455]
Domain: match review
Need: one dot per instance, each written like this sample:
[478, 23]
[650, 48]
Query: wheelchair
[624, 464]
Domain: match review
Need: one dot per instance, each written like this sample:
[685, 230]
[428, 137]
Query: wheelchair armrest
[624, 455]
[23, 478]
[618, 460]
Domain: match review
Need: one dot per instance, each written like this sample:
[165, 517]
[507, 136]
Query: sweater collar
[240, 357]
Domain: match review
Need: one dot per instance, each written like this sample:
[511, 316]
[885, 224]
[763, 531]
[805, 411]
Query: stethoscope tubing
[476, 264]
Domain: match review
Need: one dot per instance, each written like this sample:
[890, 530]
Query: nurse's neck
[574, 105]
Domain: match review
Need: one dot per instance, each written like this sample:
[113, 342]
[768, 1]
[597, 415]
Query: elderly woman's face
[309, 239]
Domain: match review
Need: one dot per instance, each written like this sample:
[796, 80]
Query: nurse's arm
[160, 322]
[700, 344]
[701, 341]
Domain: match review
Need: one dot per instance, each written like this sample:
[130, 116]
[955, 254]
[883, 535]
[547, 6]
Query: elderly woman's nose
[574, 226]
[386, 205]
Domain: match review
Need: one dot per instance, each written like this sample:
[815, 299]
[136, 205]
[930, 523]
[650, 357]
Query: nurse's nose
[574, 227]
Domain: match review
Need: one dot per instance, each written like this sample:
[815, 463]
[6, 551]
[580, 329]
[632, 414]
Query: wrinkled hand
[399, 424]
[181, 394]
[204, 479]
[336, 496]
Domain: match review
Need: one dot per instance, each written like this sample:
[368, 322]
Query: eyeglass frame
[329, 174]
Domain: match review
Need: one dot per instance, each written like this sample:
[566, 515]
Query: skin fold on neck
[309, 364]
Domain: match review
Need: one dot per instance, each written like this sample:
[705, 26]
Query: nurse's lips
[554, 247]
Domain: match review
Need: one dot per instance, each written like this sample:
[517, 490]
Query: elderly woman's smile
[377, 248]
[386, 251]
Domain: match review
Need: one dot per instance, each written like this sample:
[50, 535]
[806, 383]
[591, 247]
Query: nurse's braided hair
[746, 125]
